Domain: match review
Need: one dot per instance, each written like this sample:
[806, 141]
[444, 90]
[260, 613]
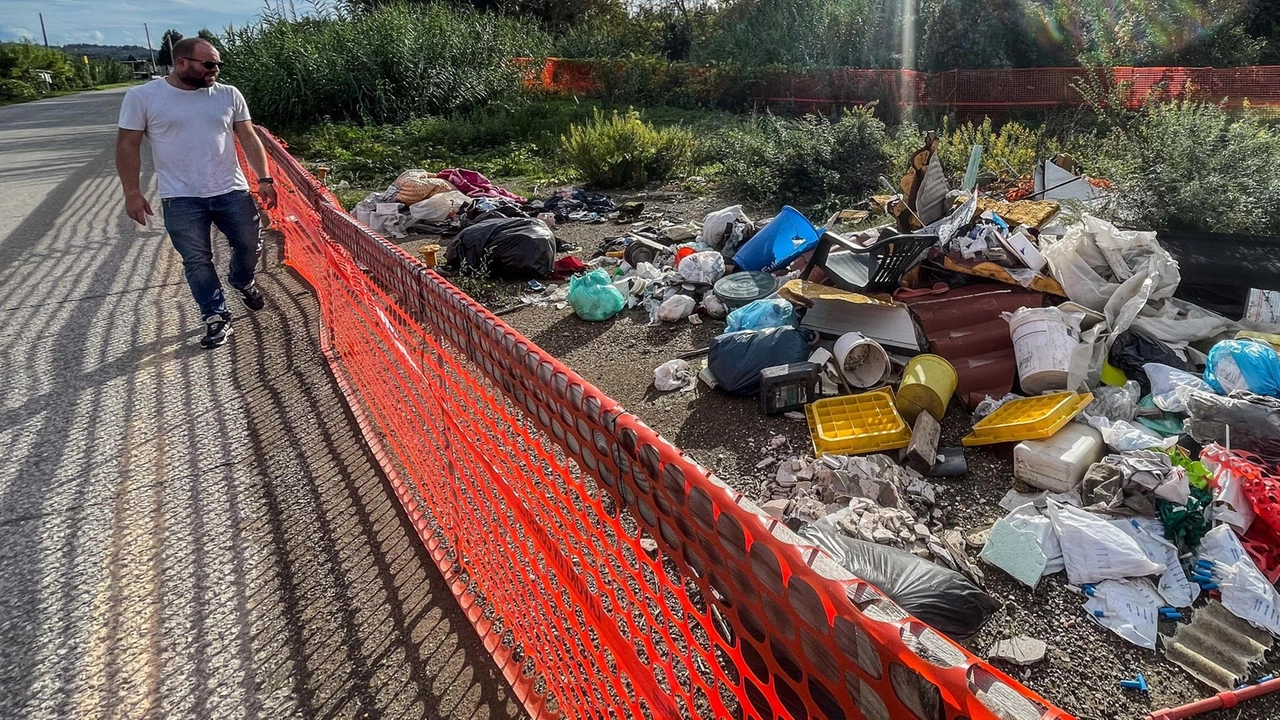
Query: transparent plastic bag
[1170, 387]
[761, 314]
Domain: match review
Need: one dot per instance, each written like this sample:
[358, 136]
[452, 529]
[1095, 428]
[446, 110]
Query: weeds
[622, 150]
[812, 163]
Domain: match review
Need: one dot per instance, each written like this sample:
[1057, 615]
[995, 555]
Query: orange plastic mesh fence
[609, 575]
[974, 90]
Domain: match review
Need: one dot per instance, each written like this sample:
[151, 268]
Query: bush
[386, 64]
[108, 72]
[622, 150]
[18, 61]
[16, 90]
[1190, 166]
[812, 163]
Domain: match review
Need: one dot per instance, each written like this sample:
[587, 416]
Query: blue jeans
[188, 220]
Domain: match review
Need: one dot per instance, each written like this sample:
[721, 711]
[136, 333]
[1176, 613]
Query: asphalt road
[188, 533]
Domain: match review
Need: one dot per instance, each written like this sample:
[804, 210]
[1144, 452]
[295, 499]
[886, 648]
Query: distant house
[142, 69]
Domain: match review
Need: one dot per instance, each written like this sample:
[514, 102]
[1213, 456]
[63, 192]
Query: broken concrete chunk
[776, 508]
[1021, 650]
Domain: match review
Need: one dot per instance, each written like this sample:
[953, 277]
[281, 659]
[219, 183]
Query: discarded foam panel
[1217, 648]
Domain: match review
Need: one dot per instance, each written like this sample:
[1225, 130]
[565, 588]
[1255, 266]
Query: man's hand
[136, 205]
[267, 191]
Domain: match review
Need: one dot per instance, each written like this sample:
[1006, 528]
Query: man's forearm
[255, 154]
[128, 166]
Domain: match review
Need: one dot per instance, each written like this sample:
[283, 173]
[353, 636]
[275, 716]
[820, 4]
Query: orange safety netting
[973, 91]
[608, 574]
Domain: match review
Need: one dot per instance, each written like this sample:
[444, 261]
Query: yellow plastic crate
[1033, 418]
[857, 424]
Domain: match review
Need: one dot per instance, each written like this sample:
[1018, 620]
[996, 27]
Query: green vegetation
[372, 88]
[29, 72]
[1190, 166]
[622, 150]
[388, 64]
[813, 163]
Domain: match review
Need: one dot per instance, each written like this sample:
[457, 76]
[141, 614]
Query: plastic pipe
[1222, 700]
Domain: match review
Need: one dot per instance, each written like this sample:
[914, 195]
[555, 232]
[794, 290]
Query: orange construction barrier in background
[609, 575]
[969, 91]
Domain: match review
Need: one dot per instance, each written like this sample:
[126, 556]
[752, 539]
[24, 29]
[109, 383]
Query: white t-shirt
[192, 141]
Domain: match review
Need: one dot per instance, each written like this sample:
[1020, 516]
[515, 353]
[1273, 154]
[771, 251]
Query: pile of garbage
[1144, 428]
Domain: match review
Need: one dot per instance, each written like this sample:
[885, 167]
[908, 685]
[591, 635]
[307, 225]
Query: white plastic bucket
[1043, 341]
[861, 363]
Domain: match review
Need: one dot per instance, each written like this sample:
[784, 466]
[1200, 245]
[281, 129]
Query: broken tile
[1021, 650]
[1017, 552]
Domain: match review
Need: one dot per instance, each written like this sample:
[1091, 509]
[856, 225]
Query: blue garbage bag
[1243, 365]
[736, 359]
[785, 238]
[593, 296]
[761, 314]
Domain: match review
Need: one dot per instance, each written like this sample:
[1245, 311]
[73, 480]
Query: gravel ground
[730, 434]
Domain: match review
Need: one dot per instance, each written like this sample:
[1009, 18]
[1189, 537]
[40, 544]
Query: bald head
[196, 63]
[188, 46]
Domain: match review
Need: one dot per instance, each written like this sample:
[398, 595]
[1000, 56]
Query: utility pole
[153, 52]
[42, 31]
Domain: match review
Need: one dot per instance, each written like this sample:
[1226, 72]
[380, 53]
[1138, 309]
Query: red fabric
[473, 184]
[567, 266]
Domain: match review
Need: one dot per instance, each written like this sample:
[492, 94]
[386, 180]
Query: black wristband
[266, 180]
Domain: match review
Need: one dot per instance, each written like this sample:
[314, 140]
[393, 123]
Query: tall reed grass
[385, 64]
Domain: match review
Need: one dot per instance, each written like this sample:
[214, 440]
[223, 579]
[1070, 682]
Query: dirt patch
[731, 435]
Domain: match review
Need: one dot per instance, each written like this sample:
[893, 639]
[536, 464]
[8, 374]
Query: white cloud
[10, 32]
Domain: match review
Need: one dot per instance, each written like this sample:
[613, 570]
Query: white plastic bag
[1095, 550]
[702, 267]
[1230, 504]
[1170, 387]
[1245, 590]
[438, 208]
[674, 375]
[1174, 586]
[714, 306]
[715, 224]
[676, 308]
[1129, 608]
[1122, 436]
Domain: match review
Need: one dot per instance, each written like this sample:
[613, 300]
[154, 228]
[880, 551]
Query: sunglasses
[208, 64]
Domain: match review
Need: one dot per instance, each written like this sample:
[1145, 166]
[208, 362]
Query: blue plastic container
[785, 238]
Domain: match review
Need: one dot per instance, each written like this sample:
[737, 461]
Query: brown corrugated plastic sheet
[964, 326]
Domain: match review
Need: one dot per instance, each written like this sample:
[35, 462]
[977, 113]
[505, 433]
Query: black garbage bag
[508, 248]
[1254, 421]
[1132, 350]
[736, 358]
[943, 598]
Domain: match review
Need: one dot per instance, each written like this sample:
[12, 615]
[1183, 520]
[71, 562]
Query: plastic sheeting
[513, 248]
[736, 359]
[943, 598]
[1130, 279]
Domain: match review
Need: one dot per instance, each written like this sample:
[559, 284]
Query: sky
[119, 22]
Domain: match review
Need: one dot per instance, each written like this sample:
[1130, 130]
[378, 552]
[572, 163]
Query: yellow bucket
[928, 382]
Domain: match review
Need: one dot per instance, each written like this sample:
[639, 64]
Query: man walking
[191, 121]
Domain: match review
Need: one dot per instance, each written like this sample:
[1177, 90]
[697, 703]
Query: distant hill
[107, 52]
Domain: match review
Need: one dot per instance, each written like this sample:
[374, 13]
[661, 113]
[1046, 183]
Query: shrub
[622, 150]
[19, 60]
[1190, 166]
[108, 72]
[16, 90]
[812, 162]
[384, 64]
[1011, 151]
